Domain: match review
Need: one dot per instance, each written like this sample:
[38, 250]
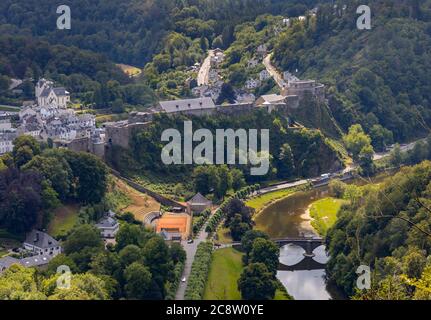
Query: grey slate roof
[6, 262]
[60, 91]
[199, 199]
[186, 105]
[41, 240]
[107, 222]
[35, 261]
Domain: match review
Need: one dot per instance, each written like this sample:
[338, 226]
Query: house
[33, 261]
[289, 77]
[198, 204]
[252, 84]
[264, 75]
[252, 63]
[199, 106]
[41, 243]
[171, 236]
[262, 50]
[108, 226]
[173, 227]
[6, 262]
[6, 141]
[286, 22]
[271, 102]
[48, 95]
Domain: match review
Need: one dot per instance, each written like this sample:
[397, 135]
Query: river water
[289, 218]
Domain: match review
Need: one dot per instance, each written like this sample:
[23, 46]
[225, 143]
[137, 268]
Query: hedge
[199, 273]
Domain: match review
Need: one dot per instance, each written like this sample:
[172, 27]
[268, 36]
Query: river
[289, 218]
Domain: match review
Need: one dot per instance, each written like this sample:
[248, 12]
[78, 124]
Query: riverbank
[323, 214]
[225, 271]
[261, 202]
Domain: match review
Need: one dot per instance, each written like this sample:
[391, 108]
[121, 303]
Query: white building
[6, 141]
[41, 243]
[48, 95]
[108, 226]
[252, 63]
[264, 75]
[252, 84]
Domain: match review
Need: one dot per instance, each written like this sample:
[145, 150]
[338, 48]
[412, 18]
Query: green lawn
[64, 220]
[226, 268]
[324, 212]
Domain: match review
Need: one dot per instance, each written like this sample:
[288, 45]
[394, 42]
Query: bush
[172, 286]
[199, 221]
[199, 274]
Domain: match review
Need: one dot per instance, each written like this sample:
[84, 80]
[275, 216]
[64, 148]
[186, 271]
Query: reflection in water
[289, 217]
[303, 285]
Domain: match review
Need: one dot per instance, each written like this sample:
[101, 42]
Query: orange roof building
[174, 224]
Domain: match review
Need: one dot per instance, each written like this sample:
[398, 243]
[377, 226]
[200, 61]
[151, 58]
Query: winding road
[278, 78]
[203, 75]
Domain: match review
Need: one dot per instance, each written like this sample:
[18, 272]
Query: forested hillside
[386, 227]
[379, 76]
[130, 31]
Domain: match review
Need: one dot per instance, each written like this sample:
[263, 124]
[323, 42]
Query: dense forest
[130, 31]
[375, 77]
[385, 227]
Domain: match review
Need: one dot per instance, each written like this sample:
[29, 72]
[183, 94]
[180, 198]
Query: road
[190, 256]
[348, 169]
[278, 78]
[404, 148]
[203, 75]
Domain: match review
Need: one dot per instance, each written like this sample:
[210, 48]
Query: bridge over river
[308, 244]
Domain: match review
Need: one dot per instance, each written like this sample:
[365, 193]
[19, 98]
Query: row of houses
[39, 248]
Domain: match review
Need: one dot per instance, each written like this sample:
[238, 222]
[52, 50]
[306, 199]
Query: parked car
[190, 241]
[183, 279]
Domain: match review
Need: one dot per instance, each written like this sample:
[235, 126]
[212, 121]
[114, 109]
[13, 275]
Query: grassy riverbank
[324, 213]
[222, 283]
[260, 202]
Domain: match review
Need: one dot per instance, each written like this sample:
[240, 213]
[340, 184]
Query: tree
[227, 93]
[248, 240]
[396, 158]
[129, 255]
[366, 160]
[90, 173]
[337, 188]
[257, 283]
[138, 281]
[286, 164]
[177, 253]
[82, 245]
[82, 287]
[381, 137]
[356, 140]
[266, 252]
[21, 200]
[224, 181]
[238, 180]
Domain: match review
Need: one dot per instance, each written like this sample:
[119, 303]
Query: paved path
[203, 76]
[278, 78]
[190, 253]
